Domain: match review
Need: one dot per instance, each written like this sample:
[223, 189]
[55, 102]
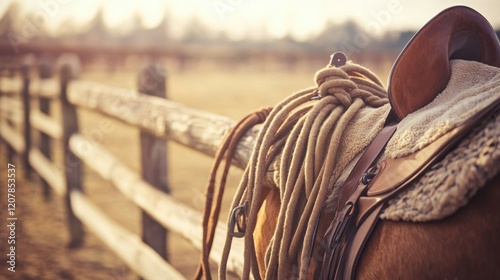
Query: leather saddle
[419, 74]
[422, 69]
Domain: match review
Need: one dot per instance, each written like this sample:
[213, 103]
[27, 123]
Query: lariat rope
[300, 136]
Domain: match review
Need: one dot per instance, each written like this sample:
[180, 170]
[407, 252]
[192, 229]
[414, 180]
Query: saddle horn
[422, 69]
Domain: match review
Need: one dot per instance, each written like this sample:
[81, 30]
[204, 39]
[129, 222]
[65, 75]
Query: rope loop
[349, 82]
[262, 114]
[305, 136]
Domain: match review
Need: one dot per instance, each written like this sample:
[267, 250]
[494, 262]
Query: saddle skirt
[453, 181]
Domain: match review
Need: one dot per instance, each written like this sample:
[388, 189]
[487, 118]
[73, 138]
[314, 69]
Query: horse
[341, 236]
[464, 245]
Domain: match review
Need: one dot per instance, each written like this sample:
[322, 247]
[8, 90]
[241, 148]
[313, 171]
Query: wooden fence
[158, 119]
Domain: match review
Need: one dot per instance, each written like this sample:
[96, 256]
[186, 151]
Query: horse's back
[465, 245]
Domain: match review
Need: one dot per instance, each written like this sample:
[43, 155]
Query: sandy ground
[41, 238]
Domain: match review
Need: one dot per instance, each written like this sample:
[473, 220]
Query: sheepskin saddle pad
[453, 181]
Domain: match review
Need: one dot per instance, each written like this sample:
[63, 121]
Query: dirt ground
[41, 238]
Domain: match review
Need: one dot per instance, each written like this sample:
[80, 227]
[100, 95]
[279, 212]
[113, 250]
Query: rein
[225, 152]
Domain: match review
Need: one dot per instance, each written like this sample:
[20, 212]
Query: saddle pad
[452, 182]
[472, 86]
[449, 184]
[435, 195]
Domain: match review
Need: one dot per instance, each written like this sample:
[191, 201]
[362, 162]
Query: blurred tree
[141, 36]
[7, 20]
[345, 36]
[131, 33]
[96, 32]
[196, 32]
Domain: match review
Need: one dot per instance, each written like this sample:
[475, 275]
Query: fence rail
[198, 130]
[157, 118]
[46, 124]
[12, 137]
[39, 88]
[142, 259]
[47, 170]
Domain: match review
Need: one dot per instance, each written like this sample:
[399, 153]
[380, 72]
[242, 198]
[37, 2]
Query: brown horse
[282, 234]
[465, 245]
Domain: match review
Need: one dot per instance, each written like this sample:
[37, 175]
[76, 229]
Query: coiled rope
[301, 136]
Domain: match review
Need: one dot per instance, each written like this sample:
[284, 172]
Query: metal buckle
[369, 175]
[237, 219]
[341, 225]
[338, 59]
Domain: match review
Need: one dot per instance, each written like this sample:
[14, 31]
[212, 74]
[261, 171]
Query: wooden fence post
[25, 72]
[152, 81]
[46, 72]
[72, 164]
[10, 151]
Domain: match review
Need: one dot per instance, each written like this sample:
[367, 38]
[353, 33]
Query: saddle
[456, 33]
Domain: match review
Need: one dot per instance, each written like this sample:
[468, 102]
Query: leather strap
[214, 192]
[347, 196]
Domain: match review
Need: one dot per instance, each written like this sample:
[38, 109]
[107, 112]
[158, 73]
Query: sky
[250, 18]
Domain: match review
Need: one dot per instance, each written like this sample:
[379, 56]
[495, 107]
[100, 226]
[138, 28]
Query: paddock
[46, 150]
